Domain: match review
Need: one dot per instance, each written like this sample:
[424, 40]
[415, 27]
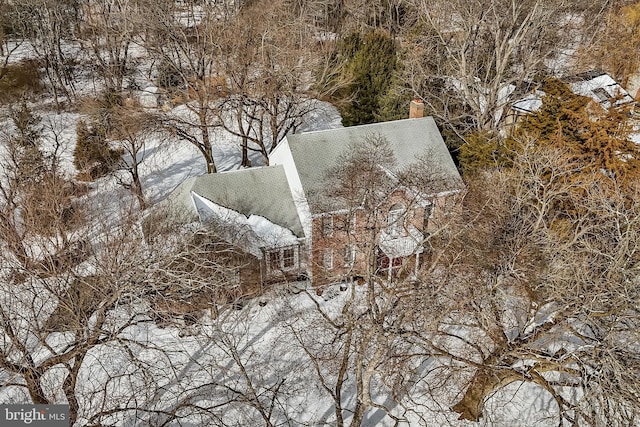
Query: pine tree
[597, 139]
[559, 116]
[371, 61]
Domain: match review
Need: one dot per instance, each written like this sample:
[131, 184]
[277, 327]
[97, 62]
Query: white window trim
[293, 258]
[352, 252]
[280, 252]
[326, 223]
[327, 259]
[353, 221]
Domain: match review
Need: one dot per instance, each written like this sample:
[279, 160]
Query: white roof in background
[151, 89]
[600, 87]
[530, 103]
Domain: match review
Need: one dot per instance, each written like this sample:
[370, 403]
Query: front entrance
[388, 266]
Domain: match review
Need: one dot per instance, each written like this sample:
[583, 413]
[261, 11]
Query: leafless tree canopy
[526, 285]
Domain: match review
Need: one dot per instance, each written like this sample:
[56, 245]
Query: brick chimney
[416, 109]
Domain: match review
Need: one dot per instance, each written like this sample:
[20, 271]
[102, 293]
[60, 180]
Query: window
[428, 210]
[327, 226]
[349, 255]
[281, 259]
[395, 220]
[327, 259]
[288, 258]
[352, 222]
[602, 94]
[274, 260]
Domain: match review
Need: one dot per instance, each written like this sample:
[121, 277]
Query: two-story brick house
[328, 230]
[343, 236]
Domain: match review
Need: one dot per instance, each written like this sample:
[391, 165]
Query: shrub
[19, 80]
[93, 157]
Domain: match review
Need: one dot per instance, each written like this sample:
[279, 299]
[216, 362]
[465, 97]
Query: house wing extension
[252, 233]
[262, 192]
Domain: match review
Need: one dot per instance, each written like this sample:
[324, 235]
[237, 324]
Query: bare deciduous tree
[469, 57]
[541, 291]
[266, 71]
[182, 40]
[109, 27]
[131, 133]
[49, 27]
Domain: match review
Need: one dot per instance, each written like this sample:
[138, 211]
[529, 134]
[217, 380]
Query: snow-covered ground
[221, 361]
[218, 371]
[165, 370]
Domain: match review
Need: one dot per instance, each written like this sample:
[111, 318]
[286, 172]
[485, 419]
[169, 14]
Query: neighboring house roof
[599, 86]
[530, 103]
[262, 191]
[316, 153]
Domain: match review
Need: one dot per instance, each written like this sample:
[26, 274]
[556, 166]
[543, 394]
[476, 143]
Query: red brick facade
[345, 244]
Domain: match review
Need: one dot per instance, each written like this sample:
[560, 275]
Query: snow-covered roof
[262, 192]
[252, 233]
[599, 87]
[530, 103]
[151, 90]
[401, 246]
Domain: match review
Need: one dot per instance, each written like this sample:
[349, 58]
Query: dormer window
[395, 220]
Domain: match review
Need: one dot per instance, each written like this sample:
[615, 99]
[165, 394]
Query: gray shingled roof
[260, 191]
[316, 153]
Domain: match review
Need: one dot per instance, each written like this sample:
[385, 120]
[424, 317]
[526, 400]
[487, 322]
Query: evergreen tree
[483, 150]
[371, 63]
[597, 139]
[558, 117]
[393, 105]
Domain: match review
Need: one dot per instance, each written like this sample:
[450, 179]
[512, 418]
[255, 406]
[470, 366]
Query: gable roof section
[316, 153]
[262, 191]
